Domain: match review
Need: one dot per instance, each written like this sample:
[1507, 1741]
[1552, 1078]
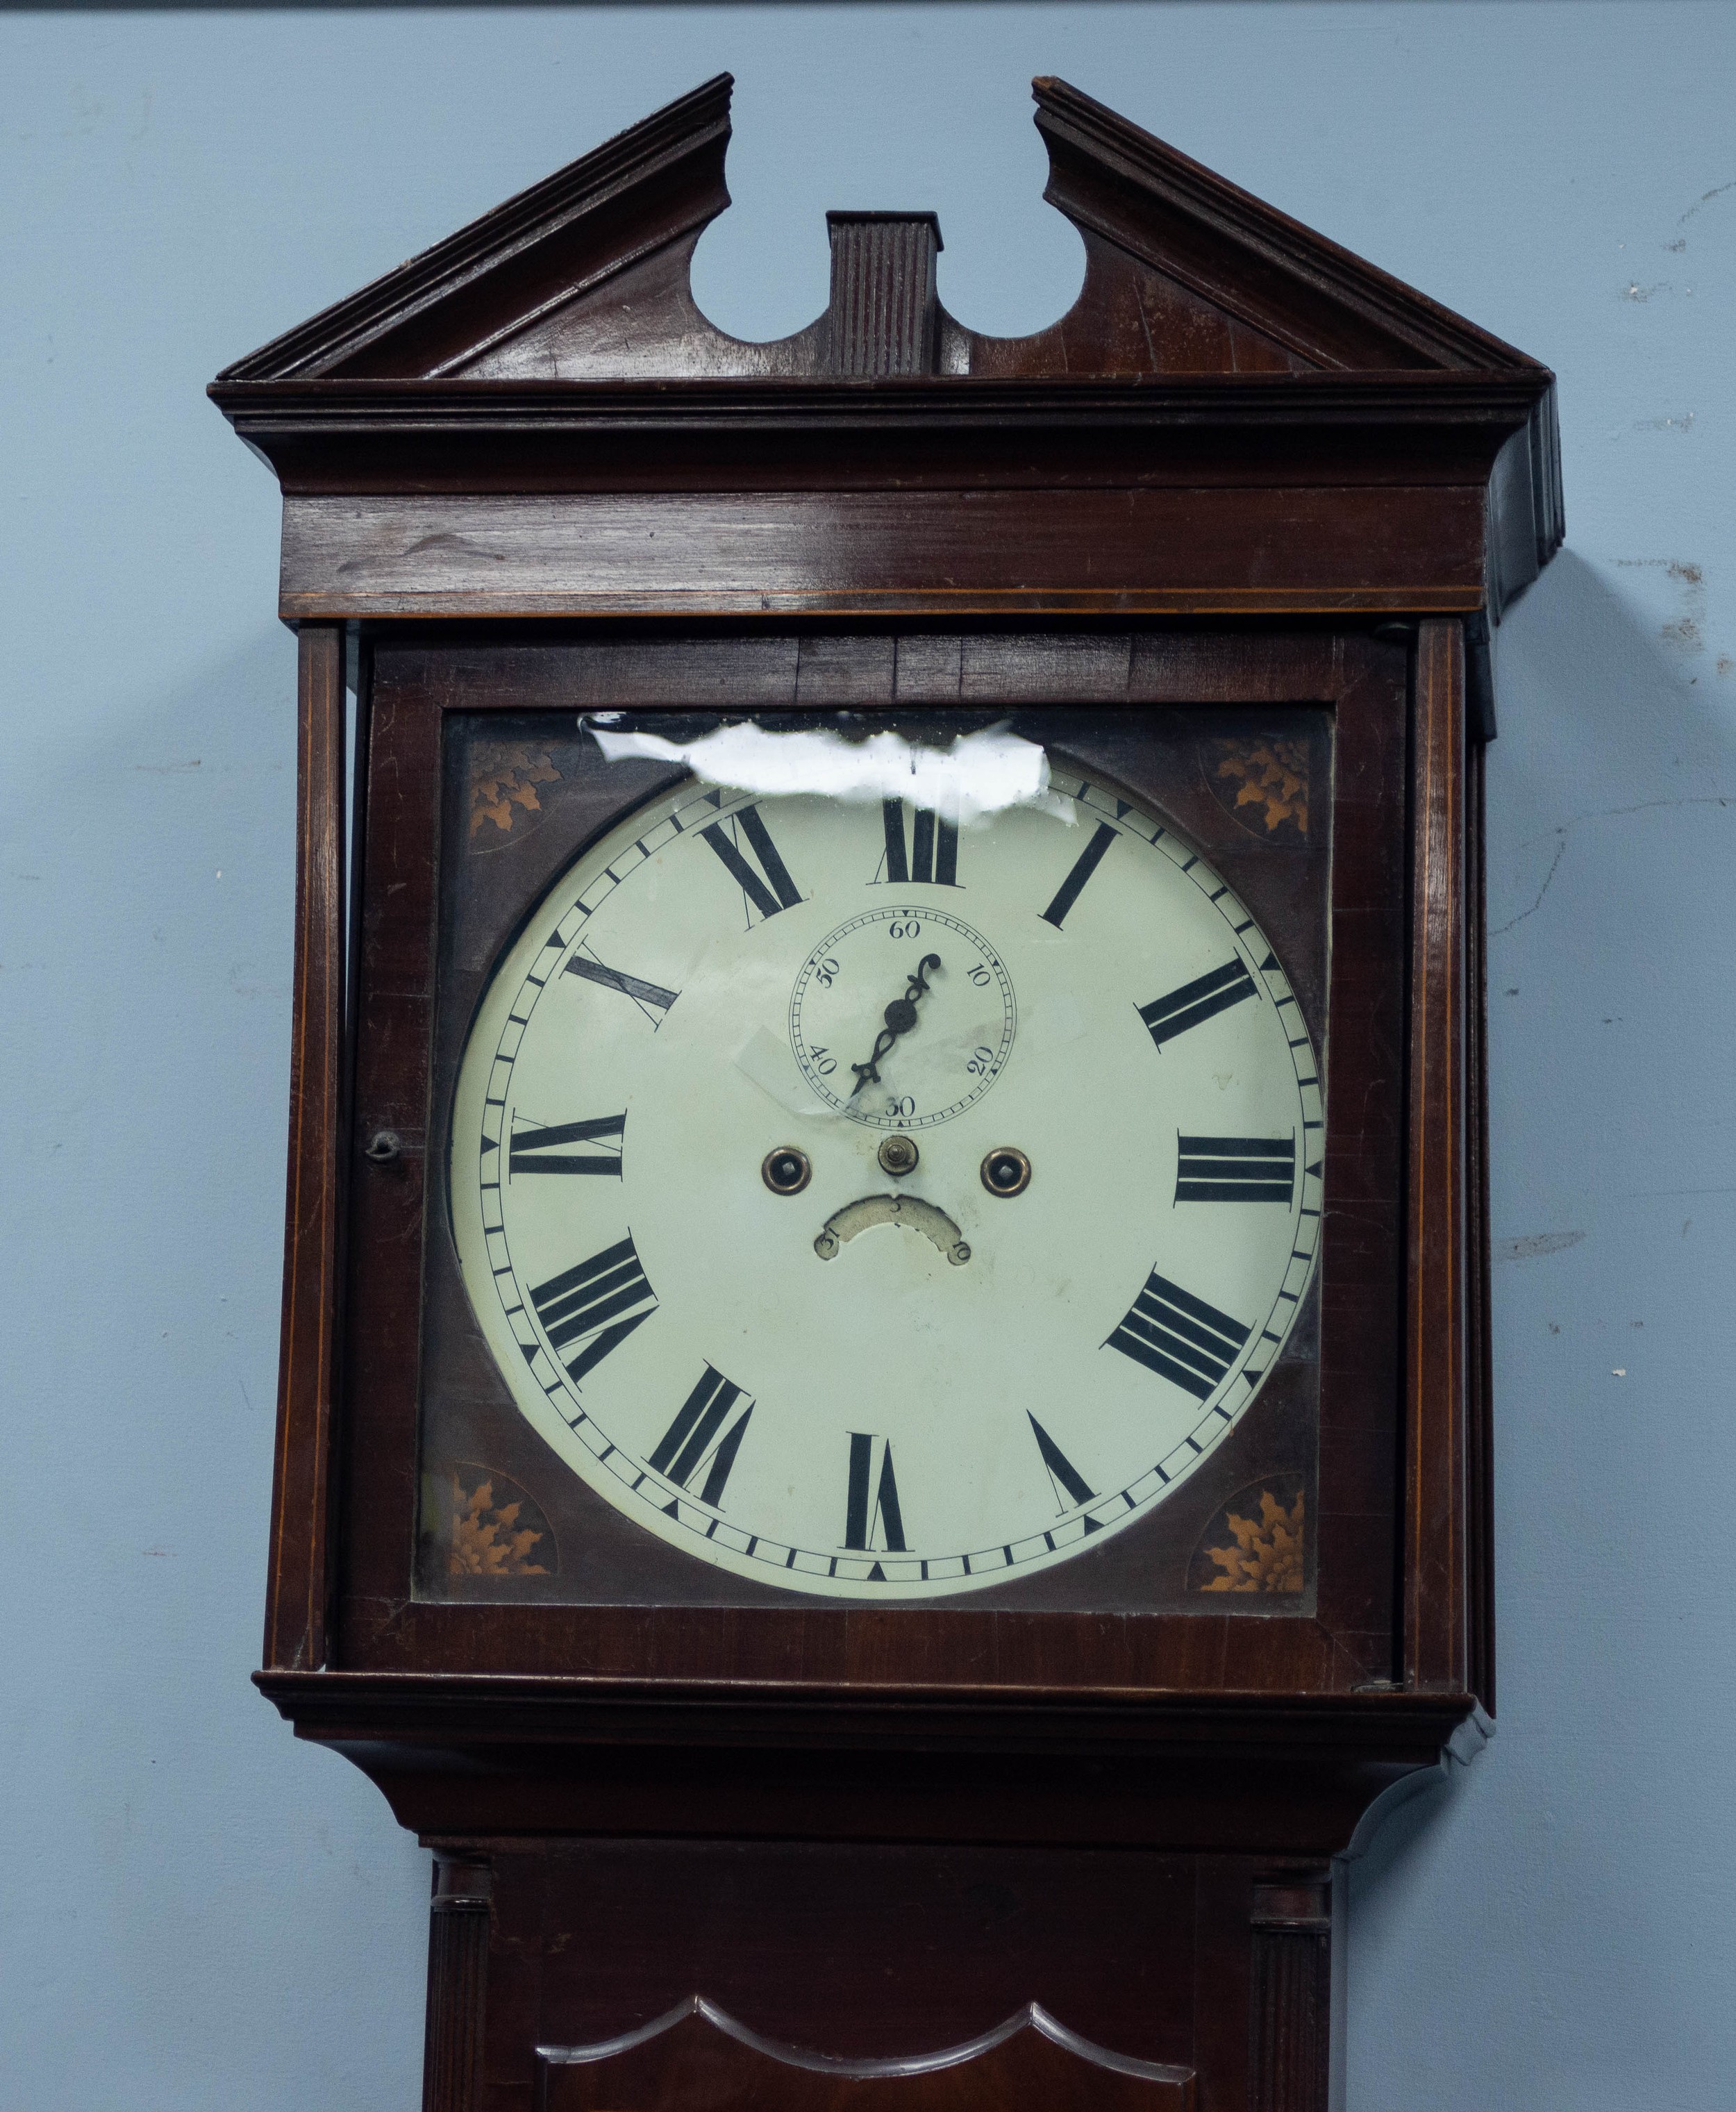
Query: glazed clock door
[867, 1201]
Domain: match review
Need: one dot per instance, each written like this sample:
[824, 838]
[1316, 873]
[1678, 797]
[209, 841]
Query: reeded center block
[884, 314]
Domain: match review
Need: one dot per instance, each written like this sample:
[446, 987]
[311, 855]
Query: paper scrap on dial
[767, 1061]
[978, 775]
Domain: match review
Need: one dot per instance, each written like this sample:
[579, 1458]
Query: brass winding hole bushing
[786, 1171]
[1006, 1171]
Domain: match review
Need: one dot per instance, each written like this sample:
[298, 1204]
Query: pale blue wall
[199, 1915]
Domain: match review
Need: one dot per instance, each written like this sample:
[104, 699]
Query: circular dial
[964, 1006]
[866, 1246]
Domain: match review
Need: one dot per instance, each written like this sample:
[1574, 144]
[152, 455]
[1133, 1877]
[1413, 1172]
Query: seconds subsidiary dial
[965, 1011]
[880, 1209]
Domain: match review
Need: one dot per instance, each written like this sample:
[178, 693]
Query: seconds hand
[900, 1017]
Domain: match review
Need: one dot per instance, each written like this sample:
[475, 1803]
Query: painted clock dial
[678, 1186]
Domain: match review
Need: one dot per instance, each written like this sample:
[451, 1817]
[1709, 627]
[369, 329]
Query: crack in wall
[1597, 814]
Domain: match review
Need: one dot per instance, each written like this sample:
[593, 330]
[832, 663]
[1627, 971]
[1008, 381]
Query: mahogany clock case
[473, 749]
[1249, 489]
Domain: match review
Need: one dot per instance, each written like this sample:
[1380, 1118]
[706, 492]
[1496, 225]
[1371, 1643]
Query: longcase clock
[883, 1429]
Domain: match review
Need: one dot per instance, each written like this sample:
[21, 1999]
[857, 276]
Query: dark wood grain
[865, 1958]
[295, 1591]
[1217, 1773]
[922, 1946]
[1437, 1351]
[883, 317]
[458, 1983]
[699, 2055]
[824, 432]
[1289, 2013]
[1112, 553]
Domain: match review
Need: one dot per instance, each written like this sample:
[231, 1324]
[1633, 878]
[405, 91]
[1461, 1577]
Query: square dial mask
[857, 1201]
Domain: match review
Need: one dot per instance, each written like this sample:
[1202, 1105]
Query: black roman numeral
[933, 847]
[649, 996]
[863, 1518]
[1179, 1336]
[1167, 1017]
[536, 1147]
[698, 1436]
[1084, 865]
[1236, 1169]
[599, 1295]
[1062, 1470]
[782, 893]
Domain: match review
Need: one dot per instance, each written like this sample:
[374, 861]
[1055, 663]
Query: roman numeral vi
[871, 1509]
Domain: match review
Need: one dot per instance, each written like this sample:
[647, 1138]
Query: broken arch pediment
[585, 277]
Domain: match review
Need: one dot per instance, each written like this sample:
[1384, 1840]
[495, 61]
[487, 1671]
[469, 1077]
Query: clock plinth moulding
[697, 1848]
